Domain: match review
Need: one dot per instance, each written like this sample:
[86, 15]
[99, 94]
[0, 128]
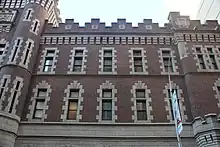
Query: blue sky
[133, 10]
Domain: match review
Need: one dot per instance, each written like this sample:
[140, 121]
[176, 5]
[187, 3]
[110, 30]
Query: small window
[107, 93]
[14, 96]
[210, 51]
[138, 66]
[136, 52]
[72, 109]
[201, 61]
[170, 100]
[168, 66]
[74, 93]
[141, 110]
[77, 67]
[108, 53]
[48, 63]
[3, 87]
[36, 24]
[213, 61]
[42, 93]
[198, 50]
[140, 93]
[166, 53]
[106, 109]
[17, 46]
[39, 107]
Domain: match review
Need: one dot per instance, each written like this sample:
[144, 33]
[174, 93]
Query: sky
[133, 10]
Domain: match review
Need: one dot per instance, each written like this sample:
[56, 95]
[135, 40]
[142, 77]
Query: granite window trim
[17, 79]
[71, 60]
[29, 54]
[13, 50]
[106, 85]
[37, 28]
[174, 62]
[72, 85]
[217, 93]
[182, 106]
[144, 61]
[141, 85]
[207, 60]
[216, 55]
[42, 61]
[31, 108]
[30, 15]
[3, 41]
[8, 77]
[101, 61]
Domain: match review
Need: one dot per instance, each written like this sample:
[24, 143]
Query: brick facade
[105, 86]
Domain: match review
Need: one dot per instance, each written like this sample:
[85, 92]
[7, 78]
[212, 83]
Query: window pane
[107, 105]
[77, 68]
[72, 115]
[107, 61]
[140, 93]
[198, 50]
[107, 69]
[166, 53]
[78, 52]
[40, 105]
[106, 115]
[78, 61]
[74, 93]
[42, 93]
[209, 50]
[138, 69]
[137, 61]
[73, 105]
[107, 53]
[38, 114]
[47, 68]
[107, 93]
[136, 52]
[141, 105]
[142, 115]
[50, 53]
[49, 61]
[2, 45]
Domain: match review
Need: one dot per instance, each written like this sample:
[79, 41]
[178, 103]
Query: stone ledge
[104, 130]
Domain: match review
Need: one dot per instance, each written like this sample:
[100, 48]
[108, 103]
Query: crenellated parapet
[207, 130]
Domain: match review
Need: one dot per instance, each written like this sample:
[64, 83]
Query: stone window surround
[101, 61]
[71, 61]
[106, 85]
[141, 85]
[29, 54]
[31, 108]
[181, 101]
[5, 27]
[206, 57]
[13, 12]
[42, 61]
[17, 79]
[30, 15]
[37, 28]
[215, 88]
[72, 85]
[144, 61]
[174, 61]
[8, 77]
[3, 41]
[13, 50]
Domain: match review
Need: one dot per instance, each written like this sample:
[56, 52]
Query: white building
[209, 10]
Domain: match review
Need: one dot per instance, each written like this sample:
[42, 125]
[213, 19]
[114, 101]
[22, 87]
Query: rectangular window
[49, 61]
[16, 49]
[201, 61]
[167, 61]
[213, 61]
[107, 93]
[14, 95]
[3, 87]
[78, 60]
[2, 49]
[36, 23]
[72, 109]
[107, 64]
[28, 15]
[138, 64]
[42, 93]
[210, 51]
[39, 107]
[106, 109]
[141, 110]
[218, 88]
[140, 93]
[74, 93]
[198, 50]
[27, 53]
